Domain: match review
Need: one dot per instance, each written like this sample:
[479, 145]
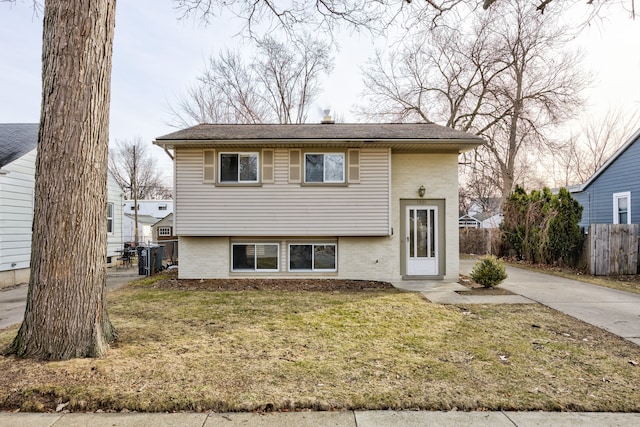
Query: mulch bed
[475, 289]
[260, 284]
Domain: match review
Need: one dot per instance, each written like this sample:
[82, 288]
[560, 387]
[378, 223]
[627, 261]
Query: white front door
[422, 240]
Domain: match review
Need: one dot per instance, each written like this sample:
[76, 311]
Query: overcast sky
[156, 58]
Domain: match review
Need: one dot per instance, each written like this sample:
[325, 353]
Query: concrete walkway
[14, 299]
[445, 293]
[322, 419]
[615, 311]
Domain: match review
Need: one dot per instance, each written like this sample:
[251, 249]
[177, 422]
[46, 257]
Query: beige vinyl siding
[283, 208]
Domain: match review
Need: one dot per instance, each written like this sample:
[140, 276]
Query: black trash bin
[149, 260]
[142, 260]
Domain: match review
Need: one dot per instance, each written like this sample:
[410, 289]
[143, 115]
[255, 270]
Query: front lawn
[362, 349]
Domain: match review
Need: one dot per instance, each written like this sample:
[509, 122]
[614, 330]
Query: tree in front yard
[66, 314]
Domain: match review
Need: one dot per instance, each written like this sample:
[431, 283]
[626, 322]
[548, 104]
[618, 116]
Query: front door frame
[441, 235]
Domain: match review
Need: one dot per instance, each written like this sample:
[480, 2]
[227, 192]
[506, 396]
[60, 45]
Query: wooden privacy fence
[479, 241]
[612, 249]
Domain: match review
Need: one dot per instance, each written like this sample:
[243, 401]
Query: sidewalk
[322, 419]
[610, 309]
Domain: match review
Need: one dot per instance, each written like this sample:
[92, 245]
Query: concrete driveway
[13, 300]
[615, 311]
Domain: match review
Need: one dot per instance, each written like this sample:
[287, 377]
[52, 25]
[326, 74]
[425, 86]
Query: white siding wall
[16, 217]
[370, 258]
[282, 208]
[115, 195]
[150, 207]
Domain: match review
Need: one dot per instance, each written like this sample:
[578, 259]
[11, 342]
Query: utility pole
[134, 187]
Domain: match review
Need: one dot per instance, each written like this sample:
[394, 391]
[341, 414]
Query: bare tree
[66, 313]
[278, 86]
[510, 81]
[136, 170]
[596, 141]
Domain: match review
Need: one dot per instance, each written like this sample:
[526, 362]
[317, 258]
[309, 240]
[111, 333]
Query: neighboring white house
[145, 232]
[155, 208]
[484, 213]
[348, 201]
[18, 143]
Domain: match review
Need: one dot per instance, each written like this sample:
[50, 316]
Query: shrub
[542, 227]
[489, 272]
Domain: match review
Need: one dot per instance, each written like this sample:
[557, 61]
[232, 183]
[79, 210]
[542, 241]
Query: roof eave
[611, 159]
[462, 145]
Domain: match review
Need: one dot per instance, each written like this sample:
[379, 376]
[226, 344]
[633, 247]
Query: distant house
[155, 208]
[163, 229]
[467, 221]
[145, 222]
[483, 213]
[352, 201]
[163, 235]
[612, 194]
[18, 144]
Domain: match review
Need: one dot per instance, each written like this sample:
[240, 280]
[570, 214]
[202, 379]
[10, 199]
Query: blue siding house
[612, 194]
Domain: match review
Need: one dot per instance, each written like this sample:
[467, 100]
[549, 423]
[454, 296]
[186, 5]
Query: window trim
[255, 269]
[313, 246]
[324, 154]
[166, 228]
[616, 210]
[238, 182]
[110, 219]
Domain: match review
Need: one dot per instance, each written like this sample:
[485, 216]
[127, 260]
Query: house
[612, 194]
[18, 143]
[145, 222]
[348, 201]
[155, 208]
[468, 221]
[485, 212]
[162, 232]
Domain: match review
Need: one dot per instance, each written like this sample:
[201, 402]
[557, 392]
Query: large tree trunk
[66, 314]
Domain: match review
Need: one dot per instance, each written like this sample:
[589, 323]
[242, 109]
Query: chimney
[327, 120]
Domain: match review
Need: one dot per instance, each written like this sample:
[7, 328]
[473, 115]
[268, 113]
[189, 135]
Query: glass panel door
[422, 238]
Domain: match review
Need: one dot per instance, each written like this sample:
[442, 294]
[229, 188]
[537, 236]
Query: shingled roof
[16, 140]
[428, 136]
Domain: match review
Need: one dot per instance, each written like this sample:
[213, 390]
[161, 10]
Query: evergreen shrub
[489, 272]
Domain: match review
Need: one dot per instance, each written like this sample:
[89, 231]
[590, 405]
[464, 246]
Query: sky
[157, 57]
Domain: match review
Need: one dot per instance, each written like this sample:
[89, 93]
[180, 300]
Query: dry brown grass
[288, 350]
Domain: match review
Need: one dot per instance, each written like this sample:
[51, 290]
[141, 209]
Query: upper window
[324, 167]
[238, 167]
[622, 208]
[164, 231]
[255, 256]
[162, 207]
[109, 217]
[312, 257]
